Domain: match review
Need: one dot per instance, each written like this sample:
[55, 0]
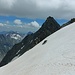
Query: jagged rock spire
[51, 24]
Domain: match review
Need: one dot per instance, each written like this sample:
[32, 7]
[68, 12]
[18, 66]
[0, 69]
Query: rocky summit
[49, 26]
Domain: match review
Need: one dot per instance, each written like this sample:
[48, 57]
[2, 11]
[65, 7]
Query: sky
[29, 15]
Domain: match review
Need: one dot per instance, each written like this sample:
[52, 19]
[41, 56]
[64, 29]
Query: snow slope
[55, 57]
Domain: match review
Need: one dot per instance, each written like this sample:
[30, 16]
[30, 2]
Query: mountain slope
[7, 41]
[55, 57]
[48, 27]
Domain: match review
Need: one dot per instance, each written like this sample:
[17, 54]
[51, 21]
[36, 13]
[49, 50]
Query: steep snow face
[55, 55]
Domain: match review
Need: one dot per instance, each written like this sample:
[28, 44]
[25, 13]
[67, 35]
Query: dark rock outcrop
[48, 27]
[68, 23]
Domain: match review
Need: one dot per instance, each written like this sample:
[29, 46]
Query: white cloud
[34, 24]
[25, 28]
[38, 8]
[1, 24]
[18, 22]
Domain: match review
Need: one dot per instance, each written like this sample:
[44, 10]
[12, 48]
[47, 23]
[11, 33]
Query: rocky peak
[51, 21]
[49, 18]
[51, 24]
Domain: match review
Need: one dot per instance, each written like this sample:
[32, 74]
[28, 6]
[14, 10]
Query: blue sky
[4, 19]
[24, 25]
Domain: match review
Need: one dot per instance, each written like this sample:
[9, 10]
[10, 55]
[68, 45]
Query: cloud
[18, 22]
[34, 24]
[24, 28]
[1, 24]
[38, 8]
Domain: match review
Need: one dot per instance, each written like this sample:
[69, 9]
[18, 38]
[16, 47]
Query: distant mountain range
[8, 40]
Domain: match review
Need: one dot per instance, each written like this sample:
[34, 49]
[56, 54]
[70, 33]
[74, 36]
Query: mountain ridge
[69, 22]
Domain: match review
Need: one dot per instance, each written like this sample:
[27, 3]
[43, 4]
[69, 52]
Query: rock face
[69, 22]
[7, 41]
[48, 27]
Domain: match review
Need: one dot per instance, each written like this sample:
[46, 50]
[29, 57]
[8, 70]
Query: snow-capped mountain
[32, 39]
[55, 55]
[7, 41]
[15, 35]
